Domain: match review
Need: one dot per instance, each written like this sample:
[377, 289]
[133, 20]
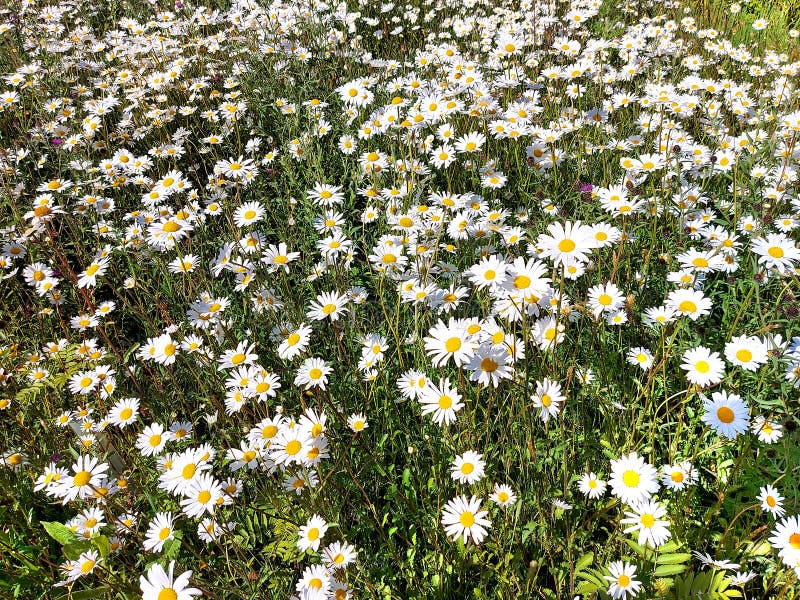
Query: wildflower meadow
[469, 299]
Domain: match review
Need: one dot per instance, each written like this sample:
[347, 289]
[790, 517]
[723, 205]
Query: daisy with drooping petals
[85, 564]
[338, 555]
[203, 495]
[248, 213]
[278, 257]
[771, 501]
[88, 475]
[727, 414]
[632, 479]
[592, 486]
[786, 540]
[468, 468]
[295, 343]
[646, 520]
[463, 518]
[310, 535]
[152, 439]
[124, 412]
[678, 476]
[503, 495]
[312, 373]
[623, 582]
[441, 401]
[548, 399]
[767, 430]
[489, 365]
[157, 584]
[702, 366]
[747, 352]
[567, 243]
[161, 529]
[449, 341]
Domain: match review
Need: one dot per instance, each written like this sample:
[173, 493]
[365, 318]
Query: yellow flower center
[453, 344]
[630, 478]
[566, 245]
[489, 365]
[81, 478]
[467, 519]
[167, 594]
[293, 447]
[725, 414]
[87, 566]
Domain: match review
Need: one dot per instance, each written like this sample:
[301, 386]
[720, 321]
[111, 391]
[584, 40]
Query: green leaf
[640, 551]
[59, 532]
[673, 559]
[586, 587]
[666, 570]
[669, 547]
[102, 545]
[73, 551]
[171, 549]
[584, 561]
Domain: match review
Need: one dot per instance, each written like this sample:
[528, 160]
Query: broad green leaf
[666, 570]
[673, 559]
[59, 532]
